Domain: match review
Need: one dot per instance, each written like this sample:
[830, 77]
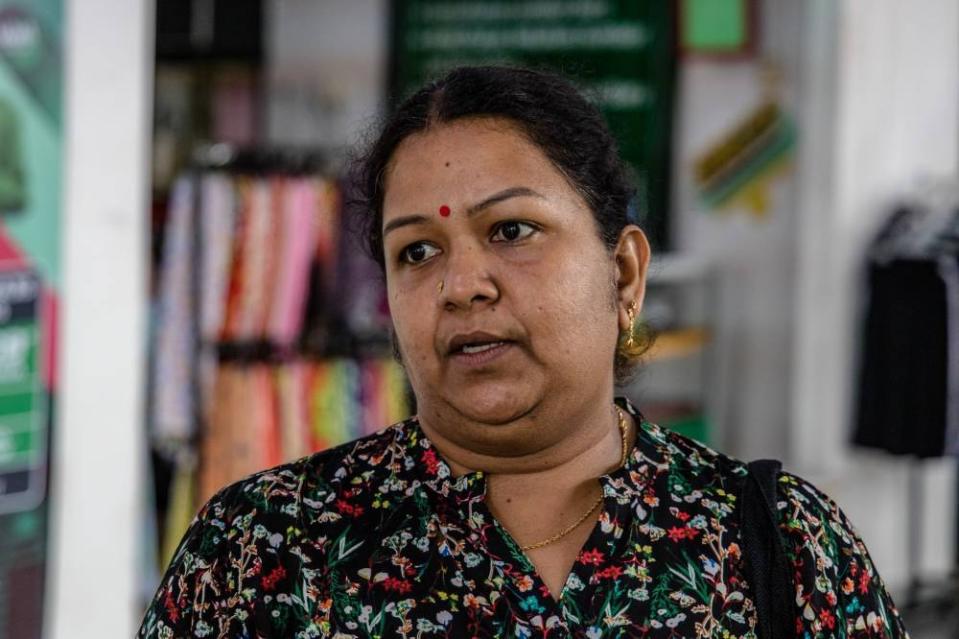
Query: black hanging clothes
[908, 365]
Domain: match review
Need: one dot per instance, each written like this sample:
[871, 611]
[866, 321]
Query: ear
[632, 263]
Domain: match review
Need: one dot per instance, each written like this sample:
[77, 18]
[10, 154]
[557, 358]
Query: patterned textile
[376, 538]
[173, 412]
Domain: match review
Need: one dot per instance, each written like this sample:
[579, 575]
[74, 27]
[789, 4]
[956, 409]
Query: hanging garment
[903, 379]
[262, 414]
[237, 383]
[297, 242]
[907, 382]
[217, 221]
[293, 410]
[949, 272]
[257, 263]
[173, 405]
[335, 410]
[182, 506]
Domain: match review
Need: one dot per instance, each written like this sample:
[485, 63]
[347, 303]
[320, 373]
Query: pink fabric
[299, 230]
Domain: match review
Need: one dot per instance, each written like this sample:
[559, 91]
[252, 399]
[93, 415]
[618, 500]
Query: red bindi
[445, 211]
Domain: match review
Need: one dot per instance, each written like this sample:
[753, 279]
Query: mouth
[475, 342]
[478, 347]
[480, 353]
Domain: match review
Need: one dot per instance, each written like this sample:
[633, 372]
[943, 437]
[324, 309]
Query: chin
[494, 404]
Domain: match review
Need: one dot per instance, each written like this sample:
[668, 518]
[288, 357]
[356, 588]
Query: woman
[523, 499]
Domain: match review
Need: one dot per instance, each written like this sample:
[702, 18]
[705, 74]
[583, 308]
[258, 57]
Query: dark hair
[544, 106]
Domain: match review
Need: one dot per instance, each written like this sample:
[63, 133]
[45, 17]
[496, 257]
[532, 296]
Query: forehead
[464, 161]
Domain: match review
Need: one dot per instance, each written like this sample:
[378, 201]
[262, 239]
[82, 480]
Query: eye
[417, 253]
[513, 230]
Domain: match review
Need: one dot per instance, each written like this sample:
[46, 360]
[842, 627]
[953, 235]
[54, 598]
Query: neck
[591, 445]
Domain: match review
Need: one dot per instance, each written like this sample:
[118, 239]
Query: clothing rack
[338, 338]
[341, 339]
[333, 364]
[919, 239]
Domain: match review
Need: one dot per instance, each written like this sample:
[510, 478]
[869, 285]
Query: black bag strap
[766, 565]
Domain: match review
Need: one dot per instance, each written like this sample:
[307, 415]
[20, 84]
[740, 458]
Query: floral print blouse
[376, 538]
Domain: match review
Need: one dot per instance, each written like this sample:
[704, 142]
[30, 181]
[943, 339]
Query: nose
[468, 279]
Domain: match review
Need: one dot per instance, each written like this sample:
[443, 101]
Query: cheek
[584, 285]
[574, 308]
[412, 321]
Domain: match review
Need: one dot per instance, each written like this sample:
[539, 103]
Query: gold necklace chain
[623, 429]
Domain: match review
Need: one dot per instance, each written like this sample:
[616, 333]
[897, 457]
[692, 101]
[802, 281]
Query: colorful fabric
[376, 538]
[297, 241]
[218, 212]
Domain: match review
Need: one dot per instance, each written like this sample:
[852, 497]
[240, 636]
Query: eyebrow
[496, 198]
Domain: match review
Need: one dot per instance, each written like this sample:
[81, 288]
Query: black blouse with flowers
[377, 539]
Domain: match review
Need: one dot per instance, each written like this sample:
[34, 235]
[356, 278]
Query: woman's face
[476, 208]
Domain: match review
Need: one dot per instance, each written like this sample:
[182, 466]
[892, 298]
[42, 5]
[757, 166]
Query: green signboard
[23, 431]
[31, 118]
[620, 51]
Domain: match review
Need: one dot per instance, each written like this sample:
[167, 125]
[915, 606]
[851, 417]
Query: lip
[483, 357]
[461, 339]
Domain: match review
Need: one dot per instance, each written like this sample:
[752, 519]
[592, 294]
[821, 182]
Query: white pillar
[98, 471]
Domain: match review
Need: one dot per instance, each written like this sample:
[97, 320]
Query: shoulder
[282, 490]
[838, 590]
[252, 536]
[690, 461]
[273, 500]
[815, 527]
[804, 509]
[297, 492]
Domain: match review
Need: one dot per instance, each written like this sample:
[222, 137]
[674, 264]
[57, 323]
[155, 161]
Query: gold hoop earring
[631, 314]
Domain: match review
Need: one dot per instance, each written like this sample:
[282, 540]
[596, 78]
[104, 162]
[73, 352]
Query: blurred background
[182, 301]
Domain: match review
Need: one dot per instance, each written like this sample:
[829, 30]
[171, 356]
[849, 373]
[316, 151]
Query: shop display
[908, 382]
[909, 373]
[263, 415]
[259, 354]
